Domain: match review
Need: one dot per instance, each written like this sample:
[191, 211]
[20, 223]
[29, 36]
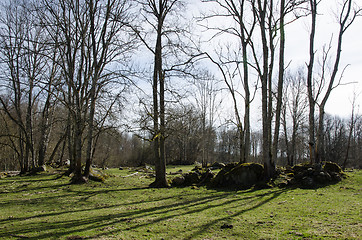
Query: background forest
[125, 82]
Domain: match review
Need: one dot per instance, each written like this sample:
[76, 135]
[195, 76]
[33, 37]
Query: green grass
[43, 207]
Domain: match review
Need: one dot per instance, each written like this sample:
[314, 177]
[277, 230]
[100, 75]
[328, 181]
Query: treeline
[128, 82]
[187, 143]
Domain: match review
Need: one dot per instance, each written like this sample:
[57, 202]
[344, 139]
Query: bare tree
[352, 123]
[90, 37]
[346, 17]
[108, 20]
[162, 34]
[234, 65]
[271, 18]
[25, 77]
[295, 104]
[206, 96]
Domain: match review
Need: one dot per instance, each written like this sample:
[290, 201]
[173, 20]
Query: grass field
[43, 207]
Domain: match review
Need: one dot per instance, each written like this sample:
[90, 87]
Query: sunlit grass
[43, 207]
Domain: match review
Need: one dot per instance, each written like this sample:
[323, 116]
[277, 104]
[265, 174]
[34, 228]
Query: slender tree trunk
[269, 167]
[24, 164]
[94, 76]
[350, 133]
[246, 138]
[313, 6]
[55, 150]
[29, 152]
[284, 123]
[44, 131]
[280, 82]
[162, 169]
[90, 133]
[319, 146]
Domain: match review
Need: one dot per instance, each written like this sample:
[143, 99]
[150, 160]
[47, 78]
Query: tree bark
[159, 111]
[280, 82]
[313, 6]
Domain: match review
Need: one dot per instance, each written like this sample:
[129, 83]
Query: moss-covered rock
[192, 178]
[206, 177]
[313, 175]
[178, 181]
[97, 175]
[332, 167]
[242, 175]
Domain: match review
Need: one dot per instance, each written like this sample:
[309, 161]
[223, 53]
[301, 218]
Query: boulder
[299, 168]
[196, 177]
[308, 182]
[192, 178]
[241, 175]
[97, 175]
[206, 177]
[336, 176]
[230, 166]
[178, 181]
[332, 167]
[323, 177]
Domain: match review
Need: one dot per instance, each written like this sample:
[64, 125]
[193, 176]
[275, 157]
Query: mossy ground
[43, 207]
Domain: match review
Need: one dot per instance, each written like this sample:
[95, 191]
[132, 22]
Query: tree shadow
[155, 210]
[200, 206]
[90, 223]
[272, 195]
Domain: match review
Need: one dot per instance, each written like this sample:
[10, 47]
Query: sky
[297, 53]
[340, 101]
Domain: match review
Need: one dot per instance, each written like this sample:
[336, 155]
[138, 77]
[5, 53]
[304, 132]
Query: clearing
[44, 207]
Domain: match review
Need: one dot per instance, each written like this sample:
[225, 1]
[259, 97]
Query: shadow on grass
[129, 215]
[271, 195]
[96, 222]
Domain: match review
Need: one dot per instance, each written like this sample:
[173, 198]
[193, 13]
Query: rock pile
[196, 177]
[246, 175]
[311, 175]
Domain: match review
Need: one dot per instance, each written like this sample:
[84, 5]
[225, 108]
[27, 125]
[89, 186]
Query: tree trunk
[44, 131]
[94, 76]
[319, 146]
[78, 148]
[280, 82]
[269, 167]
[246, 136]
[313, 5]
[159, 132]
